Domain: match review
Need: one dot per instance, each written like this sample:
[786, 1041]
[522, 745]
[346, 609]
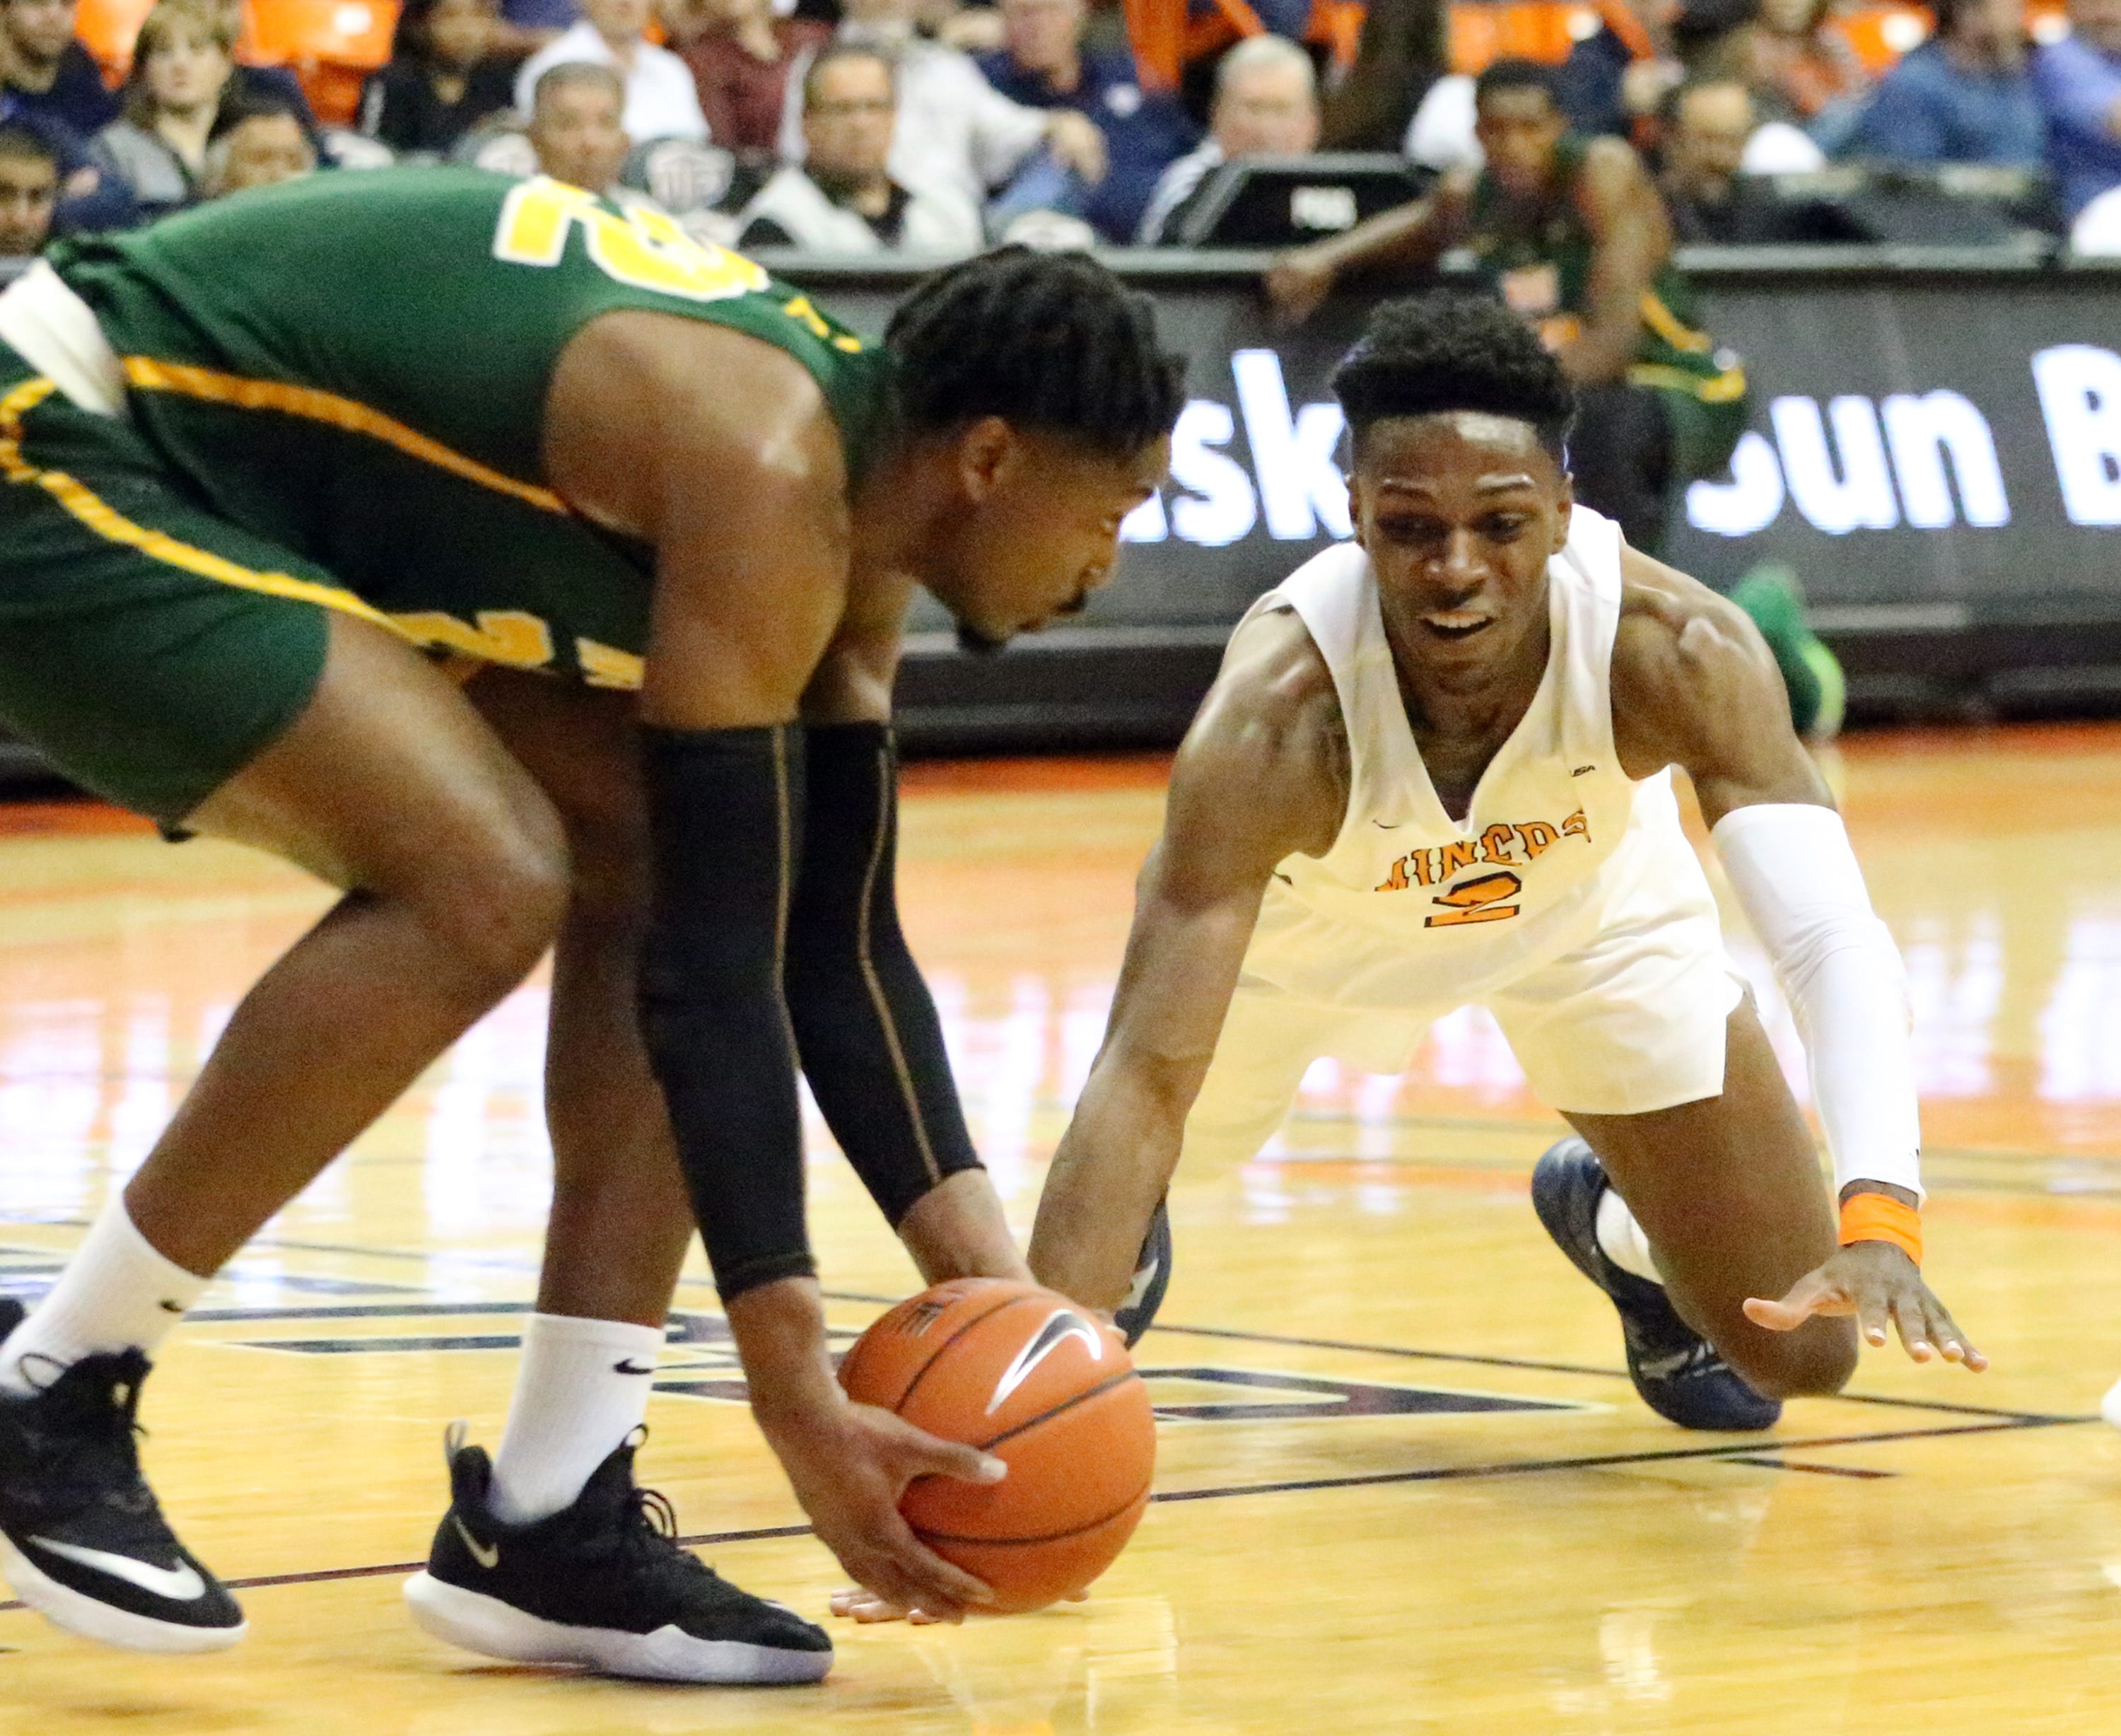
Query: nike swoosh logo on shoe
[179, 1584]
[629, 1367]
[487, 1555]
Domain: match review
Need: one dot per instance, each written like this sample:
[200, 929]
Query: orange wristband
[1878, 1217]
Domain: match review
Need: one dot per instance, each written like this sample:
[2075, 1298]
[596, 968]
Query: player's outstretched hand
[1876, 1283]
[849, 1473]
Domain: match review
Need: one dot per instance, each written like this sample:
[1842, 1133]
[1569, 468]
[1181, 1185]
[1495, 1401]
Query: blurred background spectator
[446, 74]
[741, 57]
[954, 128]
[182, 63]
[842, 198]
[1966, 95]
[1401, 55]
[577, 132]
[29, 193]
[2079, 81]
[1804, 72]
[1716, 149]
[661, 101]
[1044, 63]
[256, 142]
[49, 74]
[1266, 104]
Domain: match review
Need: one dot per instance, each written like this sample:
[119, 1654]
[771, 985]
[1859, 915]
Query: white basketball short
[1631, 1022]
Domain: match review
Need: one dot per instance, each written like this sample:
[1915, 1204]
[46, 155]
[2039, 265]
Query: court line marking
[1738, 1452]
[380, 1310]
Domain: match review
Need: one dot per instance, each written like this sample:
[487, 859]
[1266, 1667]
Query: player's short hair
[1425, 355]
[554, 79]
[1047, 341]
[1517, 75]
[21, 144]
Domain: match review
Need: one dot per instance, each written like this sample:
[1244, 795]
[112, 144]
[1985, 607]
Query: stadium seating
[333, 46]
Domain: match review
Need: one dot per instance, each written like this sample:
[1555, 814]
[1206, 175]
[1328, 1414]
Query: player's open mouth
[1455, 623]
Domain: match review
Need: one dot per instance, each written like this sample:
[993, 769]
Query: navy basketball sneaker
[81, 1539]
[1152, 1277]
[1677, 1371]
[603, 1585]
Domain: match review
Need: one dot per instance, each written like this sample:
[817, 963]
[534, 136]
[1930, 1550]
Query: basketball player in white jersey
[1436, 769]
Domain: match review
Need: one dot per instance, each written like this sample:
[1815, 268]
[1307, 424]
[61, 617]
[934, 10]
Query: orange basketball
[1023, 1373]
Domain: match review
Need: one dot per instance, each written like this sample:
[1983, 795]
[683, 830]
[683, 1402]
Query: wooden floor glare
[1403, 1483]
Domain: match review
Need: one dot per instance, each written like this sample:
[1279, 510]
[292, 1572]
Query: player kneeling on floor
[1436, 769]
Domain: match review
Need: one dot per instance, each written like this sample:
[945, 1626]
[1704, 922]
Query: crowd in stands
[933, 128]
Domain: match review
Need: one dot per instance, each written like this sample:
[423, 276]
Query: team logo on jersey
[1475, 899]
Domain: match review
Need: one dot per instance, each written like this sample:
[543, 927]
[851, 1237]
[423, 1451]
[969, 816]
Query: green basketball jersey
[355, 366]
[1539, 261]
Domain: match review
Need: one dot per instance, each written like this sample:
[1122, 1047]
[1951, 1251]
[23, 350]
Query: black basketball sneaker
[603, 1585]
[1152, 1277]
[82, 1540]
[1677, 1371]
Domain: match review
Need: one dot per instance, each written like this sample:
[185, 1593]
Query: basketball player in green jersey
[274, 474]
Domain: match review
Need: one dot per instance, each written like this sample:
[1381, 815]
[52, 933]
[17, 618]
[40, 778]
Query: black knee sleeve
[725, 811]
[872, 1045]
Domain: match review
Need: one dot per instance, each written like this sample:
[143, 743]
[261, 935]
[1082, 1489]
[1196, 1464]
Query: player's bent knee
[498, 912]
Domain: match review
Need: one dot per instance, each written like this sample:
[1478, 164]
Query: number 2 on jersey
[1480, 900]
[644, 250]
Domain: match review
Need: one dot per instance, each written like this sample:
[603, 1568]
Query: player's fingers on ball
[953, 1587]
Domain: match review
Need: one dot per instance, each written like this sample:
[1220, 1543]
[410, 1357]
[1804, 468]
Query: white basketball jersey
[1412, 908]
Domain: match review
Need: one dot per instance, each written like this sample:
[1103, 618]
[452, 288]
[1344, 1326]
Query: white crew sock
[117, 1293]
[1621, 1237]
[581, 1389]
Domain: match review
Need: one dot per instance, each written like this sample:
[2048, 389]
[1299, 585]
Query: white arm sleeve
[1798, 881]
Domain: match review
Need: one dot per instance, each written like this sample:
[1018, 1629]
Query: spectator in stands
[741, 57]
[954, 128]
[256, 143]
[660, 100]
[263, 84]
[2079, 81]
[1267, 105]
[1715, 148]
[1043, 63]
[1964, 96]
[843, 198]
[1614, 78]
[49, 74]
[577, 127]
[1402, 52]
[181, 65]
[28, 192]
[446, 76]
[1805, 71]
[1572, 235]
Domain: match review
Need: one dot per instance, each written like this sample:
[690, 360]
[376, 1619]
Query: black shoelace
[648, 1534]
[83, 1436]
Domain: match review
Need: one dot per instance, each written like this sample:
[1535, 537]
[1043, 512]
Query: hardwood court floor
[1403, 1485]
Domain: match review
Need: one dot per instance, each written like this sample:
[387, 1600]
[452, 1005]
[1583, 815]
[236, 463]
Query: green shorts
[147, 648]
[166, 583]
